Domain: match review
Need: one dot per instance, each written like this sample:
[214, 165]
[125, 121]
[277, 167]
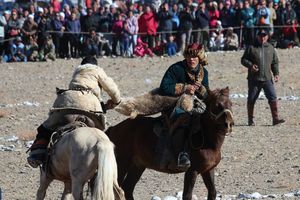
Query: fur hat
[196, 50]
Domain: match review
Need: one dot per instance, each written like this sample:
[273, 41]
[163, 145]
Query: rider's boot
[38, 150]
[180, 144]
[274, 111]
[250, 110]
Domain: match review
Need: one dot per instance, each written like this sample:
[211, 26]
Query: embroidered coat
[177, 76]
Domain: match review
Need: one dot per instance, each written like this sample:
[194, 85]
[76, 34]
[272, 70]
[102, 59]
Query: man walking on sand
[262, 63]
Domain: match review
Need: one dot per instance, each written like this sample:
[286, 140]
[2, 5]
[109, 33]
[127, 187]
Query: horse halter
[228, 118]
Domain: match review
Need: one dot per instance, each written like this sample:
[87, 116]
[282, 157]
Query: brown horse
[136, 144]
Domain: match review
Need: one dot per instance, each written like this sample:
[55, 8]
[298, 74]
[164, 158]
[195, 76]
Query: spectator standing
[248, 21]
[38, 15]
[67, 11]
[117, 30]
[56, 5]
[289, 18]
[165, 26]
[2, 34]
[29, 29]
[148, 26]
[14, 24]
[13, 30]
[185, 28]
[43, 27]
[175, 18]
[262, 63]
[202, 24]
[125, 40]
[58, 28]
[74, 29]
[227, 15]
[133, 27]
[263, 13]
[31, 9]
[214, 14]
[273, 16]
[89, 21]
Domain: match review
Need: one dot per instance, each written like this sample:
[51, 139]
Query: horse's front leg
[209, 181]
[67, 193]
[189, 182]
[44, 183]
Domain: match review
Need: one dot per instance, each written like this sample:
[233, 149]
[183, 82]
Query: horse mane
[216, 92]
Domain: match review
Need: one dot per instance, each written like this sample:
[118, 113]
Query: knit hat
[196, 50]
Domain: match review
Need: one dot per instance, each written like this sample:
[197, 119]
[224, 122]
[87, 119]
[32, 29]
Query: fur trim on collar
[85, 66]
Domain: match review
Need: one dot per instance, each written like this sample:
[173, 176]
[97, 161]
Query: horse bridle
[215, 117]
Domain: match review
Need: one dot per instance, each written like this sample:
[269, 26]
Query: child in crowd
[125, 40]
[142, 49]
[171, 46]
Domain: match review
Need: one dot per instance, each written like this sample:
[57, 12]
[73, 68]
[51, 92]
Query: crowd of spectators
[40, 33]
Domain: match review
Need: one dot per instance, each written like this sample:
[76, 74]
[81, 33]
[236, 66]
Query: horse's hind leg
[133, 176]
[77, 188]
[209, 181]
[44, 183]
[189, 182]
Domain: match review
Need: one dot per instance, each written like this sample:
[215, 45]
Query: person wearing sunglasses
[263, 70]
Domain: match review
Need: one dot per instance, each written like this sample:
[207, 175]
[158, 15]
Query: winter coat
[86, 88]
[177, 76]
[148, 23]
[265, 57]
[248, 17]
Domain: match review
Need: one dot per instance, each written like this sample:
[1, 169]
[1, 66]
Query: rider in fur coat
[187, 77]
[84, 93]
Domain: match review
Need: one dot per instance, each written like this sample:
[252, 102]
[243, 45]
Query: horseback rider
[84, 93]
[186, 77]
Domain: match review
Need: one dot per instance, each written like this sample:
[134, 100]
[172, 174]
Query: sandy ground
[263, 159]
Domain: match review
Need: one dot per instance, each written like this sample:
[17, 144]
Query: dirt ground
[263, 159]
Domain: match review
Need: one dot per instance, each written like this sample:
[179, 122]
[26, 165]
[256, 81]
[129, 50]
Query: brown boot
[274, 111]
[250, 109]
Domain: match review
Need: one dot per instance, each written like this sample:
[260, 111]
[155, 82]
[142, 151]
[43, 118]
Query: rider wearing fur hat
[84, 93]
[186, 77]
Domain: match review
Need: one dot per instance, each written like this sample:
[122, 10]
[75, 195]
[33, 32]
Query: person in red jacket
[148, 26]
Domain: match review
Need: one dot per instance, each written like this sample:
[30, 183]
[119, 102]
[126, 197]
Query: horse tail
[106, 173]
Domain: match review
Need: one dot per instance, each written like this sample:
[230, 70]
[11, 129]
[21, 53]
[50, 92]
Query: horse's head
[218, 106]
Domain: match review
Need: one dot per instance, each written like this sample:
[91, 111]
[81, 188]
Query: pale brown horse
[135, 143]
[81, 154]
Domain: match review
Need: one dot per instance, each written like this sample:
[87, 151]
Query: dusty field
[262, 159]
